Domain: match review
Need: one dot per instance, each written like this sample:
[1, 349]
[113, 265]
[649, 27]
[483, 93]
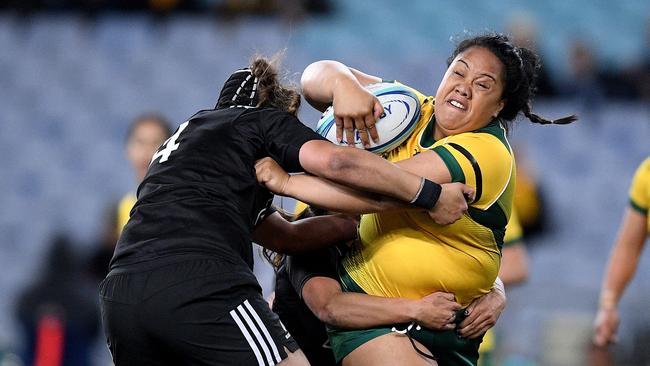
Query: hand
[355, 108]
[452, 203]
[271, 175]
[483, 313]
[437, 311]
[606, 325]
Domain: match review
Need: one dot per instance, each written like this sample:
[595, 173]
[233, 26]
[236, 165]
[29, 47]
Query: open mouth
[456, 104]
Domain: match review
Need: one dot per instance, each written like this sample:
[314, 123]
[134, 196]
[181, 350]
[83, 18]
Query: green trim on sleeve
[638, 207]
[512, 242]
[455, 170]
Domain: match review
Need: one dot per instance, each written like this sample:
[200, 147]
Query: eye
[458, 73]
[483, 86]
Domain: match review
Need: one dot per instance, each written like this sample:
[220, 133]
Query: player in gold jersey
[404, 253]
[625, 256]
[144, 136]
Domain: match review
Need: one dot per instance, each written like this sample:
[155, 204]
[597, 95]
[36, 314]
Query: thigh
[205, 327]
[388, 349]
[127, 341]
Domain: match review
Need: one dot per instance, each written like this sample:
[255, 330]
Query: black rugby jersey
[200, 195]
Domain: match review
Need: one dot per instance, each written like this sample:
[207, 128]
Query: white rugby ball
[401, 115]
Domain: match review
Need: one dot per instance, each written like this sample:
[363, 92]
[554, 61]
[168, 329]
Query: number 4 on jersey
[170, 145]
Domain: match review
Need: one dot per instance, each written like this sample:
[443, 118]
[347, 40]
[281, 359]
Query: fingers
[348, 126]
[378, 110]
[469, 193]
[339, 128]
[448, 296]
[472, 316]
[363, 135]
[604, 335]
[372, 130]
[476, 330]
[449, 326]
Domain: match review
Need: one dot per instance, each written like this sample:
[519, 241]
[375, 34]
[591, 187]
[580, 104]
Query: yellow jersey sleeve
[514, 232]
[124, 210]
[482, 161]
[640, 188]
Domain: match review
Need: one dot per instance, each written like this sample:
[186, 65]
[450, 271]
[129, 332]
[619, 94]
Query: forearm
[621, 269]
[320, 79]
[357, 311]
[282, 236]
[359, 169]
[624, 258]
[322, 193]
[318, 232]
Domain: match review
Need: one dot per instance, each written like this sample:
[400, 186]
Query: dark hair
[156, 118]
[520, 70]
[270, 92]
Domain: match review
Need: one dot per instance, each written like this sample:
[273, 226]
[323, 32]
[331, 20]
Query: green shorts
[447, 346]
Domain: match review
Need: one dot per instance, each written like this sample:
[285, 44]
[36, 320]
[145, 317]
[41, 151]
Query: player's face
[469, 95]
[145, 139]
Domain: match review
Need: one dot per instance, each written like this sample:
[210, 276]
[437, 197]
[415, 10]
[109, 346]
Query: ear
[500, 106]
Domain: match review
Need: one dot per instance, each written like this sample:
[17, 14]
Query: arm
[325, 299]
[327, 83]
[330, 196]
[622, 266]
[483, 313]
[282, 236]
[514, 263]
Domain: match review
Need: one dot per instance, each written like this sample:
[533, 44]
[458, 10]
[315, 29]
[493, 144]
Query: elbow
[341, 163]
[311, 85]
[327, 314]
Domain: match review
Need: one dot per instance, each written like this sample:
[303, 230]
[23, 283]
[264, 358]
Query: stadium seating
[69, 88]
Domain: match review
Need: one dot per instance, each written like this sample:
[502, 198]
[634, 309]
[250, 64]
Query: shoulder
[481, 159]
[486, 147]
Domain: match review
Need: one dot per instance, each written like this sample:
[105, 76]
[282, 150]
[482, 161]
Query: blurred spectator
[523, 29]
[584, 82]
[102, 256]
[59, 312]
[640, 73]
[529, 202]
[624, 258]
[145, 134]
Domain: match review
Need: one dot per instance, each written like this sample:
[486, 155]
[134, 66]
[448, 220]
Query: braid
[535, 118]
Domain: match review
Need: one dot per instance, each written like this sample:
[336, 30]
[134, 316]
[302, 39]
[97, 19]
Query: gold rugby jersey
[640, 190]
[124, 210]
[514, 232]
[406, 254]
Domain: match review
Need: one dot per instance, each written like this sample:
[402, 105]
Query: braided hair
[520, 70]
[258, 86]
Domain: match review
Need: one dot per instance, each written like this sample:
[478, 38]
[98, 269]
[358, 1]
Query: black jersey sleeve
[320, 263]
[284, 135]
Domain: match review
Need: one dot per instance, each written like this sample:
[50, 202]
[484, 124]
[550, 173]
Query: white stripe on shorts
[256, 333]
[248, 337]
[264, 330]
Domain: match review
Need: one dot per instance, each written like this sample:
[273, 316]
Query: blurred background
[75, 73]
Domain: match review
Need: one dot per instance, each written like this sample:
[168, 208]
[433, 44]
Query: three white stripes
[264, 340]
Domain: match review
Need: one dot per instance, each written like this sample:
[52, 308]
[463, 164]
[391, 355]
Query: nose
[464, 90]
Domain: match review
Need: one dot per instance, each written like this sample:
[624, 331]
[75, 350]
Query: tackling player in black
[181, 288]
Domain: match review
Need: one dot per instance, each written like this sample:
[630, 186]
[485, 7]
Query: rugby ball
[400, 117]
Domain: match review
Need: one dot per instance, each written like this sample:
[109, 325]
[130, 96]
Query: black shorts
[195, 312]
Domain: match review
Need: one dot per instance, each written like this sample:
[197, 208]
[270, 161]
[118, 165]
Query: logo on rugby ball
[401, 114]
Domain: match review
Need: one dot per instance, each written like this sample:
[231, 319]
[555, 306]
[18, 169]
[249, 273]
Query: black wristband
[428, 195]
